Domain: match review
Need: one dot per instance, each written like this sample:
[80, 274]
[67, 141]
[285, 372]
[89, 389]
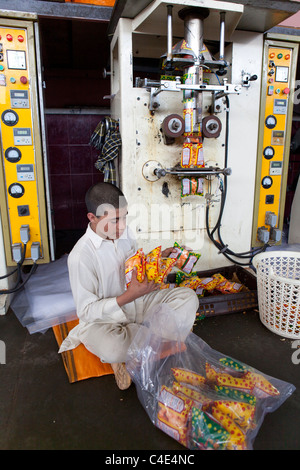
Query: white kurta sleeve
[86, 289]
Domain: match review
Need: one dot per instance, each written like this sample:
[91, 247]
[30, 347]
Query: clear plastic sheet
[46, 299]
[198, 396]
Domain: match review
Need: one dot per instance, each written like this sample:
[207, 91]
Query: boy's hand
[166, 253]
[136, 289]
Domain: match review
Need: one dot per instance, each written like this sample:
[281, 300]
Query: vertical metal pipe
[193, 34]
[170, 33]
[222, 34]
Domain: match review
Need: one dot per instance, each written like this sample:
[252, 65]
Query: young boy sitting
[109, 314]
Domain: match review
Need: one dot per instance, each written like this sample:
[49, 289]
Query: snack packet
[225, 286]
[138, 261]
[191, 187]
[197, 155]
[173, 414]
[166, 264]
[209, 283]
[193, 283]
[186, 155]
[153, 263]
[185, 259]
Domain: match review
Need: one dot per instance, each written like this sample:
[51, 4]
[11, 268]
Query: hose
[222, 247]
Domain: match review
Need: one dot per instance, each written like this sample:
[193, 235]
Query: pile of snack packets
[215, 411]
[157, 269]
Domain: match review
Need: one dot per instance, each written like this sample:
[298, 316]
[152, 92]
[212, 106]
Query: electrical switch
[286, 91]
[17, 252]
[24, 233]
[263, 234]
[23, 80]
[270, 219]
[275, 234]
[270, 90]
[35, 251]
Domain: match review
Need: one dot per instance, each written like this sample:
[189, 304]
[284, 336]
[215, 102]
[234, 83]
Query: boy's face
[112, 224]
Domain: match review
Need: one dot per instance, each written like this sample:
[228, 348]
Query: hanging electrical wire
[19, 282]
[222, 247]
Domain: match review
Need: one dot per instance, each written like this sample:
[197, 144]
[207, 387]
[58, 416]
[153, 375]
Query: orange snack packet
[237, 437]
[261, 383]
[188, 376]
[166, 265]
[209, 283]
[138, 261]
[193, 283]
[225, 286]
[173, 414]
[241, 413]
[185, 259]
[153, 263]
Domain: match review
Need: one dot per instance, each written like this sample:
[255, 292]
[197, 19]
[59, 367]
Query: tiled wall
[71, 166]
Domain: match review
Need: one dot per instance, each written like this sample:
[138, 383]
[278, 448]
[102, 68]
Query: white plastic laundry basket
[278, 289]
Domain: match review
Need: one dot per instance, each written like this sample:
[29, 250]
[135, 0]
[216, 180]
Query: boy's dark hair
[102, 194]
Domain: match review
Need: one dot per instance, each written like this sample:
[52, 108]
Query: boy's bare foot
[122, 377]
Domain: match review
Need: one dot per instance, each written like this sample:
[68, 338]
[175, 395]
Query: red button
[23, 80]
[20, 38]
[287, 56]
[286, 91]
[9, 37]
[272, 55]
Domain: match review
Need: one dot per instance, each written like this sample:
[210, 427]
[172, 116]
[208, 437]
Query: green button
[1, 67]
[12, 80]
[280, 56]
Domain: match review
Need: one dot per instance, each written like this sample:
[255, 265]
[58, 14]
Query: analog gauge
[10, 117]
[16, 190]
[271, 121]
[269, 153]
[13, 154]
[267, 182]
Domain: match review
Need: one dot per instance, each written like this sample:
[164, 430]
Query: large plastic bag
[196, 395]
[46, 299]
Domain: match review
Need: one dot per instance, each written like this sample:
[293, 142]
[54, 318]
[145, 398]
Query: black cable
[20, 262]
[9, 274]
[220, 244]
[18, 287]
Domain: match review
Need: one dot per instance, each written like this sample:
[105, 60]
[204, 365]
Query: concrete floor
[40, 409]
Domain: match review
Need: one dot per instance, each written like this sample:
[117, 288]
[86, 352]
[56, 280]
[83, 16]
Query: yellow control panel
[273, 149]
[22, 194]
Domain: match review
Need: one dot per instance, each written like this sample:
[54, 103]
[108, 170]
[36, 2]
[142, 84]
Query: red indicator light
[272, 55]
[9, 37]
[23, 80]
[287, 56]
[20, 38]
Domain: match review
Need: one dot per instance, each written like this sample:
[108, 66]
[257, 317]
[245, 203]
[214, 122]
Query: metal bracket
[199, 172]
